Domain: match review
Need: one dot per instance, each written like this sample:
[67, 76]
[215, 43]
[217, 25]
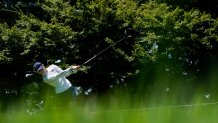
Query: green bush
[175, 40]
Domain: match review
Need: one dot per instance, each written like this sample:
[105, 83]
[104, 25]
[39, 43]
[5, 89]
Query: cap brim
[40, 68]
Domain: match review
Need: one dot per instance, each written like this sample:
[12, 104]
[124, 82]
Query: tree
[157, 36]
[209, 6]
[181, 43]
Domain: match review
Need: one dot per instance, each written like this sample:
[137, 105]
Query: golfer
[56, 77]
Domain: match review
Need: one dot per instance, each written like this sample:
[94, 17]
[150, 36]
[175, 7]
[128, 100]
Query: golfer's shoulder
[52, 66]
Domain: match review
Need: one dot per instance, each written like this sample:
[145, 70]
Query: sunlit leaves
[154, 33]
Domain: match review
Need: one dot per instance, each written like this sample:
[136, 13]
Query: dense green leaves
[155, 34]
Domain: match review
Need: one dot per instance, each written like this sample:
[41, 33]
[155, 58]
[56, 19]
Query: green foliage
[175, 36]
[175, 40]
[165, 49]
[209, 6]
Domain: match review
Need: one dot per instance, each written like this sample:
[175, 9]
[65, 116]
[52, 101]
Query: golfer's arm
[63, 73]
[68, 73]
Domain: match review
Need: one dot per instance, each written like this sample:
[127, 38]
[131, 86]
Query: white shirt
[55, 77]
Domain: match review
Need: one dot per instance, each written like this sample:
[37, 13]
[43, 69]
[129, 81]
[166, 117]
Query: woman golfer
[56, 77]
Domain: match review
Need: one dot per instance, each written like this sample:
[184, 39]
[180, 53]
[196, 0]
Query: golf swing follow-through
[56, 77]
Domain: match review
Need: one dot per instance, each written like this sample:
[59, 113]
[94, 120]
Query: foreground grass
[162, 104]
[94, 111]
[207, 114]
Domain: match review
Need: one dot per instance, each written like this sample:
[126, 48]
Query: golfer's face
[42, 71]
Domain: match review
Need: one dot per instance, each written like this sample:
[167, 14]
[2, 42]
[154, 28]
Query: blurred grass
[200, 114]
[180, 102]
[120, 108]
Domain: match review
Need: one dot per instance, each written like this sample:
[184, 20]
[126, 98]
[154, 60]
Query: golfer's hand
[75, 67]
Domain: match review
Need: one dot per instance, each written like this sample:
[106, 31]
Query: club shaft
[103, 51]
